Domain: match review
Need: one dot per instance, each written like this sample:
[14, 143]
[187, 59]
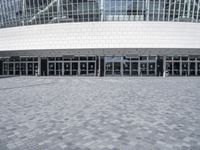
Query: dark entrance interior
[160, 66]
[1, 67]
[102, 67]
[43, 66]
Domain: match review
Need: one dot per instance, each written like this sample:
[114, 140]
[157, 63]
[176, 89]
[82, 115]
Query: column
[39, 66]
[164, 65]
[172, 66]
[26, 67]
[70, 67]
[99, 69]
[102, 10]
[79, 67]
[55, 68]
[62, 68]
[23, 12]
[189, 67]
[130, 67]
[196, 67]
[112, 67]
[147, 65]
[58, 10]
[87, 67]
[95, 67]
[20, 71]
[47, 67]
[181, 69]
[139, 67]
[121, 68]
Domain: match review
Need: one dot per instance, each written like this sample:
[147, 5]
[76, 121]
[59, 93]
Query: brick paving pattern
[56, 113]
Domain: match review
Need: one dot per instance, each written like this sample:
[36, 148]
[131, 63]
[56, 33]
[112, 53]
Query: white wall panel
[101, 35]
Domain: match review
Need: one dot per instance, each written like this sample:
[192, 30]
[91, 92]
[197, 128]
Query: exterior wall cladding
[100, 37]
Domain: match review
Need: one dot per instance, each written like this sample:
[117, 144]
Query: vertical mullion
[184, 8]
[58, 10]
[82, 4]
[147, 13]
[154, 3]
[110, 9]
[3, 10]
[93, 11]
[121, 11]
[5, 13]
[88, 11]
[131, 15]
[179, 9]
[1, 14]
[174, 10]
[143, 10]
[137, 9]
[6, 10]
[34, 12]
[159, 11]
[188, 10]
[13, 12]
[164, 10]
[44, 20]
[38, 8]
[115, 9]
[169, 10]
[9, 13]
[197, 19]
[48, 11]
[193, 11]
[25, 13]
[30, 12]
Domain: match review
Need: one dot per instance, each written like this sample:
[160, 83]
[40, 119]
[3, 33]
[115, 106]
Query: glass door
[67, 68]
[192, 68]
[58, 68]
[11, 69]
[51, 68]
[91, 68]
[30, 68]
[169, 67]
[152, 68]
[17, 69]
[6, 68]
[143, 68]
[74, 68]
[108, 68]
[198, 68]
[83, 68]
[117, 68]
[23, 68]
[126, 68]
[134, 68]
[35, 68]
[184, 68]
[176, 68]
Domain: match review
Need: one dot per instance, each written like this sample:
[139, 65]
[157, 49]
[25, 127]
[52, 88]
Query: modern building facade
[100, 37]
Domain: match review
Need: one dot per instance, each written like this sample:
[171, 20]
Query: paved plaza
[89, 113]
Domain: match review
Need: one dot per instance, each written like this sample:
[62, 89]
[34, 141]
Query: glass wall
[29, 12]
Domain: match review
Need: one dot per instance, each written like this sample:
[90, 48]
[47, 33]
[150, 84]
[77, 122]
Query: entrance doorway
[72, 66]
[159, 66]
[130, 66]
[44, 66]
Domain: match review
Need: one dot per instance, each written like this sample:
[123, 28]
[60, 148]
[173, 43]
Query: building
[100, 37]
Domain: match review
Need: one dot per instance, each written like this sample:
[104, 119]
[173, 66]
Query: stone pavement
[88, 113]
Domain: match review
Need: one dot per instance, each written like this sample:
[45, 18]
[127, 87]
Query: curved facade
[100, 37]
[30, 12]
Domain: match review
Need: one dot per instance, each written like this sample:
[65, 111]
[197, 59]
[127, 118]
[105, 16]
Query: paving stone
[38, 113]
